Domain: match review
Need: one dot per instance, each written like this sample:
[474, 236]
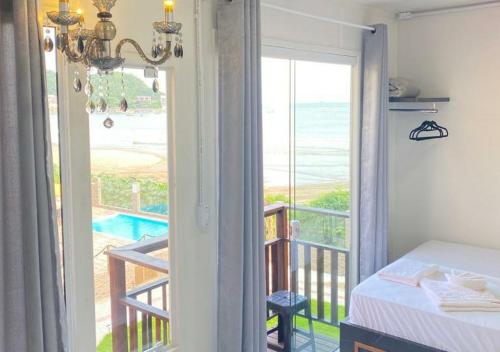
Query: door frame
[296, 51]
[77, 205]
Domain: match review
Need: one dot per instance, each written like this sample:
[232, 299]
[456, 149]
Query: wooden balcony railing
[318, 271]
[277, 249]
[139, 317]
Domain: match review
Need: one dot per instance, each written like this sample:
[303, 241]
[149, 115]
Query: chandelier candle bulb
[169, 10]
[82, 18]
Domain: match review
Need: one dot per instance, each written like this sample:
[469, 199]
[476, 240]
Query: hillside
[134, 87]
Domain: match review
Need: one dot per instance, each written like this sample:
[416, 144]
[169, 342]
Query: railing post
[294, 256]
[117, 283]
[97, 192]
[136, 196]
[284, 248]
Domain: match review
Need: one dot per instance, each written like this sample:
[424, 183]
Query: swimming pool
[130, 227]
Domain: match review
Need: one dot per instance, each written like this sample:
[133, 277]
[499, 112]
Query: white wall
[448, 189]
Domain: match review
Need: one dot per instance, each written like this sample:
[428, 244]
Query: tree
[134, 87]
[339, 199]
[51, 83]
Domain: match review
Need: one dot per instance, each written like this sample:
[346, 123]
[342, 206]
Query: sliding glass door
[307, 180]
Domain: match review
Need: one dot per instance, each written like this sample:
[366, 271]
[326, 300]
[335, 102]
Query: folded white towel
[407, 271]
[402, 88]
[453, 298]
[465, 279]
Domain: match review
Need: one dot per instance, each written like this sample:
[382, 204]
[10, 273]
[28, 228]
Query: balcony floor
[323, 344]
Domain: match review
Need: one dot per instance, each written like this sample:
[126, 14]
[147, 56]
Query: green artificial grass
[106, 344]
[322, 329]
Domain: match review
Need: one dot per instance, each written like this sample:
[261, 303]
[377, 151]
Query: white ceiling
[416, 5]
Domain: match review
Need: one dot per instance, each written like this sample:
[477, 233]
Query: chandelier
[92, 48]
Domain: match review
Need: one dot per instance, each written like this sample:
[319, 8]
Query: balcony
[320, 271]
[316, 270]
[140, 318]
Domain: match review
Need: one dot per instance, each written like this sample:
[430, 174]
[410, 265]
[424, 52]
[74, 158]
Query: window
[130, 202]
[307, 174]
[52, 88]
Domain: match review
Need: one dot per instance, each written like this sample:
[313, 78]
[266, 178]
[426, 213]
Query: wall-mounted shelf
[432, 110]
[418, 100]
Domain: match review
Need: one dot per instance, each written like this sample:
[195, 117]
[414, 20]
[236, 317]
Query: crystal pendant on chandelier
[123, 105]
[108, 123]
[154, 51]
[77, 84]
[102, 106]
[89, 88]
[90, 107]
[156, 86]
[160, 49]
[80, 45]
[178, 49]
[48, 44]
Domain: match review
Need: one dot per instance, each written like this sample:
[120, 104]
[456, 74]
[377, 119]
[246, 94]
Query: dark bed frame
[354, 338]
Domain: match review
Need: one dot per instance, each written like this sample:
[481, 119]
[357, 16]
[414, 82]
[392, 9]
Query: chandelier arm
[74, 57]
[137, 47]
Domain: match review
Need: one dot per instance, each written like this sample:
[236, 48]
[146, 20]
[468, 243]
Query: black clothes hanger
[428, 130]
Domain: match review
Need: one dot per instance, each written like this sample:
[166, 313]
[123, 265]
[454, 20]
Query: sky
[314, 82]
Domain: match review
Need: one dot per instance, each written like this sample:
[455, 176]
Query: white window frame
[294, 51]
[77, 205]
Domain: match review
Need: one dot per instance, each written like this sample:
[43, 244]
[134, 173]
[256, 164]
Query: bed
[390, 317]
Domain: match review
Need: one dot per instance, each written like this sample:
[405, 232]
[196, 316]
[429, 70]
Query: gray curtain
[373, 168]
[32, 316]
[241, 286]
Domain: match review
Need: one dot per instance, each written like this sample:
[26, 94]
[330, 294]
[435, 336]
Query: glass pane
[51, 79]
[322, 147]
[276, 101]
[276, 134]
[130, 206]
[321, 202]
[307, 138]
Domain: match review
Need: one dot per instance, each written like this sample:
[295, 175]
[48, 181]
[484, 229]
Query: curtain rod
[406, 15]
[324, 19]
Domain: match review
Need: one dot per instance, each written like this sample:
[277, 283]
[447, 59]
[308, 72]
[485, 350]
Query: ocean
[322, 134]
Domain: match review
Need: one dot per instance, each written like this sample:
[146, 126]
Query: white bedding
[406, 311]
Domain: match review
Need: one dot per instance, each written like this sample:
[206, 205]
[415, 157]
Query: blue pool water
[130, 227]
[156, 209]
